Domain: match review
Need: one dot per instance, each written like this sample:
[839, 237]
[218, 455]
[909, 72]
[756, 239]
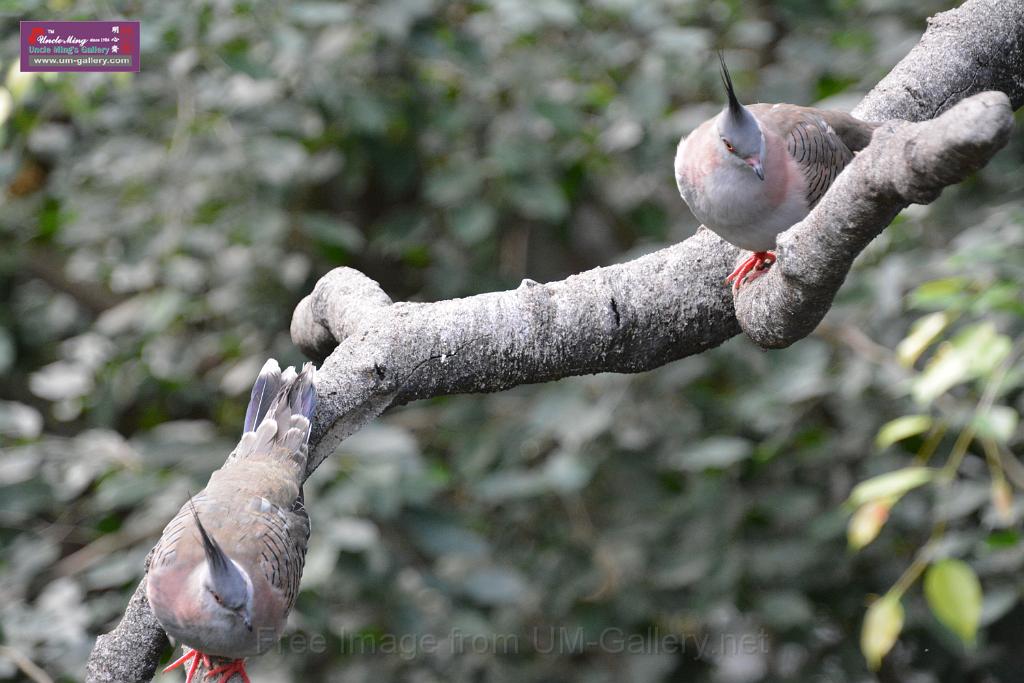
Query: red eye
[728, 145]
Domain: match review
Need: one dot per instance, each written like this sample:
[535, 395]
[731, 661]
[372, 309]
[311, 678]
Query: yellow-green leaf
[6, 105]
[882, 626]
[902, 428]
[974, 352]
[866, 522]
[19, 82]
[922, 334]
[890, 485]
[998, 422]
[954, 595]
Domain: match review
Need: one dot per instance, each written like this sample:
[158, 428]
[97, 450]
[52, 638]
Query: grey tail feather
[217, 559]
[734, 104]
[281, 424]
[304, 401]
[263, 392]
[296, 397]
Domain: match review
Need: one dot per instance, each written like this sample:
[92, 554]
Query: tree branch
[661, 307]
[976, 47]
[132, 650]
[624, 318]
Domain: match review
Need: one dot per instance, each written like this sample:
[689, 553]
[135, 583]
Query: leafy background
[158, 228]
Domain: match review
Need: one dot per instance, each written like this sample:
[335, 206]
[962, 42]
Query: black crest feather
[216, 557]
[735, 108]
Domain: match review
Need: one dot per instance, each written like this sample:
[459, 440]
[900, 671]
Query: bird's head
[227, 589]
[740, 136]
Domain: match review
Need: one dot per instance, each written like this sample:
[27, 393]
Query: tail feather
[263, 391]
[281, 423]
[303, 401]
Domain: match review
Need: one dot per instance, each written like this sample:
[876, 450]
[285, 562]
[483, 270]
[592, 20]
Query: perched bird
[226, 570]
[752, 172]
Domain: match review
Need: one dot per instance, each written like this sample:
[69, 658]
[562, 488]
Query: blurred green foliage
[158, 229]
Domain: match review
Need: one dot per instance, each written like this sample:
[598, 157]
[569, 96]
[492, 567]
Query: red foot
[196, 656]
[754, 267]
[230, 669]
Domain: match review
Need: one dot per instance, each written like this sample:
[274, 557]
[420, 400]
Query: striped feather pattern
[821, 141]
[820, 154]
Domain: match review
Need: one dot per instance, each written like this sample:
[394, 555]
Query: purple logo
[80, 46]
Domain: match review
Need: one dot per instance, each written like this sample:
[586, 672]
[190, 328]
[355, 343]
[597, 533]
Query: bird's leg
[195, 656]
[230, 669]
[752, 268]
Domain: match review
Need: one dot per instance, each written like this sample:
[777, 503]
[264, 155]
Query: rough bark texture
[132, 650]
[624, 318]
[976, 47]
[661, 307]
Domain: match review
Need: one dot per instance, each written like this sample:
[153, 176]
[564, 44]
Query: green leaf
[890, 485]
[902, 428]
[452, 185]
[540, 198]
[974, 352]
[954, 595]
[8, 353]
[318, 14]
[332, 231]
[942, 294]
[18, 84]
[882, 626]
[1002, 539]
[922, 334]
[716, 452]
[866, 523]
[999, 423]
[474, 223]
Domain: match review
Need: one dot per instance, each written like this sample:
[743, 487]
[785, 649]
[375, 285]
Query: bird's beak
[755, 165]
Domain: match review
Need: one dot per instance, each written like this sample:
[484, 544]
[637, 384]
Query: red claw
[752, 268]
[230, 669]
[195, 656]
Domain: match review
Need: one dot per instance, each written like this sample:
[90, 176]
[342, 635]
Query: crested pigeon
[750, 173]
[226, 571]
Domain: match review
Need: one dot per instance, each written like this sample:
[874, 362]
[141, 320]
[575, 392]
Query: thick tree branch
[976, 47]
[132, 650]
[624, 318]
[664, 306]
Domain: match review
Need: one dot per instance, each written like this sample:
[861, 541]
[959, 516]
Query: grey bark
[976, 47]
[132, 650]
[623, 318]
[664, 306]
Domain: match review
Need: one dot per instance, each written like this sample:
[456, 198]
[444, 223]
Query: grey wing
[282, 546]
[819, 151]
[166, 549]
